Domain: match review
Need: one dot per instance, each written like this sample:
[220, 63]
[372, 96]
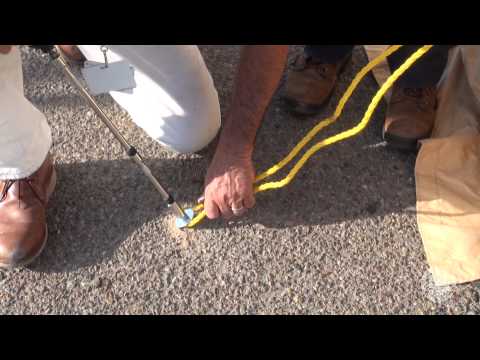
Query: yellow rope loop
[330, 120]
[353, 131]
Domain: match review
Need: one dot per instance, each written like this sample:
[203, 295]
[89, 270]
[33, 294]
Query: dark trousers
[425, 72]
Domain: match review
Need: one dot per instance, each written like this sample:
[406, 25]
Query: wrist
[235, 143]
[234, 148]
[235, 139]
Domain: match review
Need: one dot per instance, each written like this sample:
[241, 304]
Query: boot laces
[21, 183]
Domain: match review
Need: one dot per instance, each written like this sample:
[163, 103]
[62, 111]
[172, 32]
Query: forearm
[259, 73]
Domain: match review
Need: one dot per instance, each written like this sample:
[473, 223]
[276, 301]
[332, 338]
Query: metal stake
[132, 153]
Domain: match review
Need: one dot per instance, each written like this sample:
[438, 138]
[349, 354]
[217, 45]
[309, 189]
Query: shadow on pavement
[336, 189]
[99, 204]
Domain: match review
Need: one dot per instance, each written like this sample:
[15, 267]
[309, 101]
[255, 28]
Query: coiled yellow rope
[328, 121]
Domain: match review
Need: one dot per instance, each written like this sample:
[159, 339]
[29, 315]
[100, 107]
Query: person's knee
[175, 101]
[194, 116]
[193, 131]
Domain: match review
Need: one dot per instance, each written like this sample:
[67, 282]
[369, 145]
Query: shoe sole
[302, 109]
[80, 60]
[399, 143]
[26, 262]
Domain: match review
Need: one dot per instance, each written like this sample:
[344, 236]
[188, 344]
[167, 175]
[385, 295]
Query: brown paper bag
[448, 175]
[448, 207]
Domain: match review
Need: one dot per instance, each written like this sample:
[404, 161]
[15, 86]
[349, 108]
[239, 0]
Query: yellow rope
[328, 121]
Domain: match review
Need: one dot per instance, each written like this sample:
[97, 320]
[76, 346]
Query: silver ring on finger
[238, 210]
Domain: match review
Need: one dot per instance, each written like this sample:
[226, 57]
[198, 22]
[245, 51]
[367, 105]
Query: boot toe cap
[20, 248]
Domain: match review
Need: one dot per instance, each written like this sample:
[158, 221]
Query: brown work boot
[72, 53]
[410, 117]
[23, 226]
[310, 84]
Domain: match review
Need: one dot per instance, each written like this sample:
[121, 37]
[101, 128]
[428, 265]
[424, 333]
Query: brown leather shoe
[310, 84]
[72, 53]
[23, 226]
[410, 117]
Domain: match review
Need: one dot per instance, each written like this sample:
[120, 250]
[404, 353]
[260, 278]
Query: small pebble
[97, 282]
[70, 285]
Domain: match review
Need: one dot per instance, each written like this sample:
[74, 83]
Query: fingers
[228, 201]
[215, 205]
[229, 188]
[225, 208]
[215, 208]
[249, 200]
[238, 208]
[211, 209]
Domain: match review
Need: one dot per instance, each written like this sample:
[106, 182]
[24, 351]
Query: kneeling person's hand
[230, 179]
[229, 185]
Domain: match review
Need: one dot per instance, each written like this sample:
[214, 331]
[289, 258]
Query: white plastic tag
[102, 79]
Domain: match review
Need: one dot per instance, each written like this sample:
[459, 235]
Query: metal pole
[129, 149]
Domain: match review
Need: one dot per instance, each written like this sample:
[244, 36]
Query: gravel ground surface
[341, 239]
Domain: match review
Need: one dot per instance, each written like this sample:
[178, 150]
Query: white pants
[174, 101]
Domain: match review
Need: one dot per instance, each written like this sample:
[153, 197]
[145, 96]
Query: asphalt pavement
[341, 239]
